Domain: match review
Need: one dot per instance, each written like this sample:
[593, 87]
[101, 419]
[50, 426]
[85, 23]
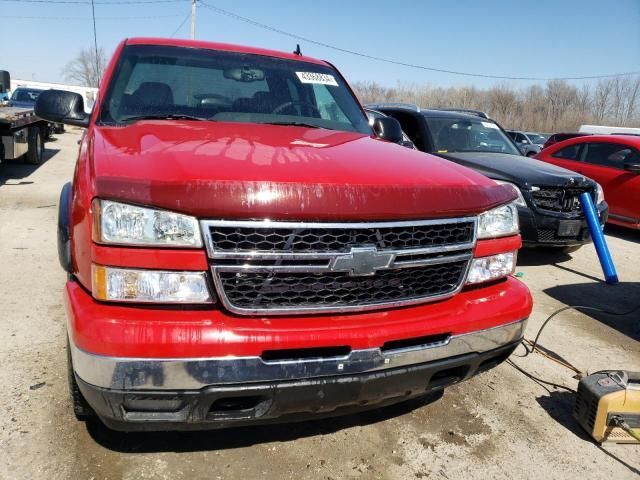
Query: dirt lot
[498, 425]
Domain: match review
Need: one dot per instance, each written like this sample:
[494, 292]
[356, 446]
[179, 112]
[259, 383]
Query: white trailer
[603, 130]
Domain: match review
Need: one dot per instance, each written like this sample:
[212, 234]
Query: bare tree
[556, 106]
[85, 69]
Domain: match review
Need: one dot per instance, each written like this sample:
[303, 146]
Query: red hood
[233, 170]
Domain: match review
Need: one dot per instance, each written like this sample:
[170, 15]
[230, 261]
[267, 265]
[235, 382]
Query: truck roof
[225, 47]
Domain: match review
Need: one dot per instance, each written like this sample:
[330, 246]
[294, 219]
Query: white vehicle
[602, 130]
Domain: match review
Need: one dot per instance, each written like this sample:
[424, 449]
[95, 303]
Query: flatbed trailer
[23, 135]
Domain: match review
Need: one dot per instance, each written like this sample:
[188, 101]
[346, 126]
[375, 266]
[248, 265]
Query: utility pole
[193, 19]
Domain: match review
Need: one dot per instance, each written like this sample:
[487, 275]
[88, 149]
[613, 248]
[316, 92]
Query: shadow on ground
[559, 406]
[623, 233]
[145, 442]
[620, 298]
[13, 172]
[535, 257]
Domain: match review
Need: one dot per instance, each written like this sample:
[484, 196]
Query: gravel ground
[498, 425]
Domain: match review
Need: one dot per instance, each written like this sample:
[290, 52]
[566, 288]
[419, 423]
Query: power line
[396, 62]
[88, 2]
[181, 24]
[136, 17]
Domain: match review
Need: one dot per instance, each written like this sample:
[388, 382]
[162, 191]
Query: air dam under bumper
[162, 394]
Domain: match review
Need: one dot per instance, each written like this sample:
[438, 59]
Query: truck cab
[242, 247]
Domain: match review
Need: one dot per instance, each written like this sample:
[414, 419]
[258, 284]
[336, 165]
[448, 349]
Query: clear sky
[543, 38]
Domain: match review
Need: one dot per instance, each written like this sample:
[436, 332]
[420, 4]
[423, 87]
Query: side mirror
[632, 167]
[60, 106]
[388, 128]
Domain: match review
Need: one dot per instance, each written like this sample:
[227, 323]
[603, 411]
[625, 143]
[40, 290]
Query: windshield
[451, 134]
[24, 95]
[201, 84]
[537, 138]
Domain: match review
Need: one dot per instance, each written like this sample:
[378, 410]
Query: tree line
[553, 107]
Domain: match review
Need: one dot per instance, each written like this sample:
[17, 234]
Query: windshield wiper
[168, 116]
[294, 124]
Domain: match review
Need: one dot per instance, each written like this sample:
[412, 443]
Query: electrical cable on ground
[534, 347]
[396, 62]
[539, 380]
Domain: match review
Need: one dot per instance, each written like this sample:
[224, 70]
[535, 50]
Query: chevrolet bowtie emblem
[362, 261]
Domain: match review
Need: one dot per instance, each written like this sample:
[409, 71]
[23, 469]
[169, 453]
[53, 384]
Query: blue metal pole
[608, 268]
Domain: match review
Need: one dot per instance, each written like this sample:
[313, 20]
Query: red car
[242, 247]
[611, 160]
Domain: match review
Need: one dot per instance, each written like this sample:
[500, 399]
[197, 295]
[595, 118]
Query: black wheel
[36, 146]
[81, 408]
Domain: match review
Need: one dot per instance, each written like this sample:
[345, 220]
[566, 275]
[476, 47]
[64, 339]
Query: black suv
[548, 202]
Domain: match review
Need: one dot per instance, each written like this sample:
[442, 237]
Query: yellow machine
[608, 406]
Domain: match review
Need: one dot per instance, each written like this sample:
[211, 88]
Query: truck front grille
[558, 199]
[263, 290]
[270, 268]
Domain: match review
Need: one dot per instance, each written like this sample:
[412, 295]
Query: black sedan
[548, 196]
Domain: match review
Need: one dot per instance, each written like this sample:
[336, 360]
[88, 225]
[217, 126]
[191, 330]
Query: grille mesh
[565, 200]
[551, 236]
[234, 239]
[271, 290]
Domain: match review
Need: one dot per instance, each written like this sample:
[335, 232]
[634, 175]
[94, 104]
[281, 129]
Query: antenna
[297, 51]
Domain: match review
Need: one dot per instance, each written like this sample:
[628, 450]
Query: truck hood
[523, 171]
[234, 170]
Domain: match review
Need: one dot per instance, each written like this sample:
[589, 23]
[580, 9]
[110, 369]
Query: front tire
[81, 408]
[36, 146]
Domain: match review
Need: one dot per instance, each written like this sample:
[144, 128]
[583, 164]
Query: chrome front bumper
[196, 373]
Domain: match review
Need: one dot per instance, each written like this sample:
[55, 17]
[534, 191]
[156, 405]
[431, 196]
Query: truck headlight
[491, 268]
[599, 194]
[498, 222]
[518, 201]
[122, 224]
[113, 284]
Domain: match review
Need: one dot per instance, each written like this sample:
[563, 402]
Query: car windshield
[24, 95]
[166, 82]
[454, 134]
[537, 138]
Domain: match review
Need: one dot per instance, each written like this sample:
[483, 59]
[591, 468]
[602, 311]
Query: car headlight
[122, 224]
[491, 268]
[600, 194]
[518, 201]
[113, 284]
[498, 222]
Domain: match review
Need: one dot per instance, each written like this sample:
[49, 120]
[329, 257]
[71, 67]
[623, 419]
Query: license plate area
[569, 228]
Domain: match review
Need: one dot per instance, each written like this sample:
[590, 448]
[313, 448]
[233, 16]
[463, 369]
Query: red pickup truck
[242, 247]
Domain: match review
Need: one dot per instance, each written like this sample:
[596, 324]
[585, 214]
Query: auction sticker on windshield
[319, 78]
[490, 125]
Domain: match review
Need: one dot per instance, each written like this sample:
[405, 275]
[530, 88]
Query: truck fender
[64, 227]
